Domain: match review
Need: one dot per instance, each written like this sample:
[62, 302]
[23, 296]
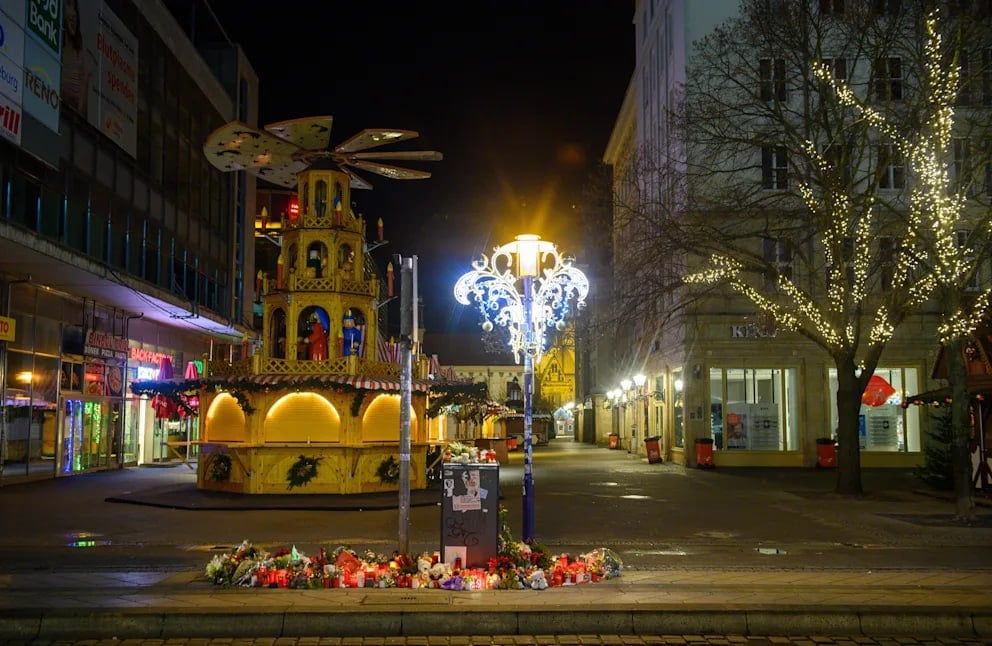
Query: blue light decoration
[526, 287]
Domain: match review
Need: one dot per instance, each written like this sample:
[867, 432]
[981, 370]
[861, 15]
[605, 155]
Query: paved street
[525, 640]
[707, 553]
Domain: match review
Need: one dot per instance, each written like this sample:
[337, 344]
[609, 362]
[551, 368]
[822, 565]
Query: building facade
[122, 251]
[718, 369]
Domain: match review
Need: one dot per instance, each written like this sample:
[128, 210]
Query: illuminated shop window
[754, 409]
[884, 424]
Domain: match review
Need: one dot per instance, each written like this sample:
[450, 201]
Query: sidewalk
[156, 605]
[907, 587]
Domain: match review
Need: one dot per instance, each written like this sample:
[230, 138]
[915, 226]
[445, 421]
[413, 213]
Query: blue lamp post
[525, 286]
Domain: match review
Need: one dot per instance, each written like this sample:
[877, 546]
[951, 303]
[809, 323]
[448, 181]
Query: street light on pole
[547, 281]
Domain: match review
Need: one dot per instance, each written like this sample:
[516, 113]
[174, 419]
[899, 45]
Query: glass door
[71, 436]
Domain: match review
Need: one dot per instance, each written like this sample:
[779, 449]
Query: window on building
[964, 242]
[838, 68]
[988, 168]
[885, 424]
[965, 83]
[891, 167]
[961, 174]
[771, 73]
[846, 262]
[887, 8]
[887, 247]
[888, 79]
[831, 7]
[754, 409]
[778, 256]
[986, 76]
[774, 168]
[838, 156]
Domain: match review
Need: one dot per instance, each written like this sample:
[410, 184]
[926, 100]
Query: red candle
[389, 279]
[380, 229]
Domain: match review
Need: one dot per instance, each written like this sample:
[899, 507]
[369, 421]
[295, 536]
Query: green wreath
[302, 472]
[389, 470]
[220, 468]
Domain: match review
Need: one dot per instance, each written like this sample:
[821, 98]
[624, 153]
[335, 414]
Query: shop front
[91, 406]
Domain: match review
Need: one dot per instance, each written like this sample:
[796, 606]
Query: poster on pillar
[469, 514]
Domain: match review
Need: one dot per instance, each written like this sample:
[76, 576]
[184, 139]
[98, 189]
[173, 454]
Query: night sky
[519, 95]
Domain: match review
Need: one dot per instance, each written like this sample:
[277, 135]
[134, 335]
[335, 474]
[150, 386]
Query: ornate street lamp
[525, 287]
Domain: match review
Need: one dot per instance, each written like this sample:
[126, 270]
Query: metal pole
[529, 347]
[407, 280]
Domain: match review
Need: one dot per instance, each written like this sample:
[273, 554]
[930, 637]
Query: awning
[365, 383]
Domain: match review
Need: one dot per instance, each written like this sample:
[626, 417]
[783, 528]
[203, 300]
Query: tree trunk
[964, 492]
[849, 392]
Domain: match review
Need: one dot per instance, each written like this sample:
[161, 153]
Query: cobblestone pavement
[519, 640]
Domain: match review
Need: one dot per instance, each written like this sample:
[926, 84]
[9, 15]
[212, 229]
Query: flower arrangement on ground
[516, 566]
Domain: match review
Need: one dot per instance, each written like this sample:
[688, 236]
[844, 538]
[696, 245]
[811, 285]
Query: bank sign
[43, 61]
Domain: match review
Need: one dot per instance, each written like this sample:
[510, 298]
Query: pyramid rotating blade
[392, 172]
[371, 138]
[280, 175]
[309, 133]
[238, 146]
[357, 181]
[411, 155]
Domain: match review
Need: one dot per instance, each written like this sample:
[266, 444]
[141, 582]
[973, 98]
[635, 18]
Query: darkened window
[891, 167]
[888, 79]
[838, 156]
[832, 7]
[886, 261]
[778, 256]
[772, 79]
[837, 67]
[961, 172]
[77, 221]
[969, 258]
[890, 8]
[846, 262]
[774, 168]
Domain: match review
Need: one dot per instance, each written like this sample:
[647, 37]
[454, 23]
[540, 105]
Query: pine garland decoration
[220, 467]
[389, 470]
[303, 471]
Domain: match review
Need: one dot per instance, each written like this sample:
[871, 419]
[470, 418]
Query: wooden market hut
[977, 355]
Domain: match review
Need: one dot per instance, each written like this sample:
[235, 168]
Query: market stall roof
[976, 352]
[979, 387]
[365, 383]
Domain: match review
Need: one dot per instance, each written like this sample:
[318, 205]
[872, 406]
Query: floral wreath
[389, 470]
[302, 472]
[220, 468]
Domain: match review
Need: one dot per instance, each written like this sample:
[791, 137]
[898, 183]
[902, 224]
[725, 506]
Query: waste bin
[704, 452]
[826, 453]
[614, 440]
[653, 449]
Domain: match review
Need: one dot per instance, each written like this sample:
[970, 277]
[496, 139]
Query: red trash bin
[704, 452]
[826, 453]
[653, 449]
[614, 441]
